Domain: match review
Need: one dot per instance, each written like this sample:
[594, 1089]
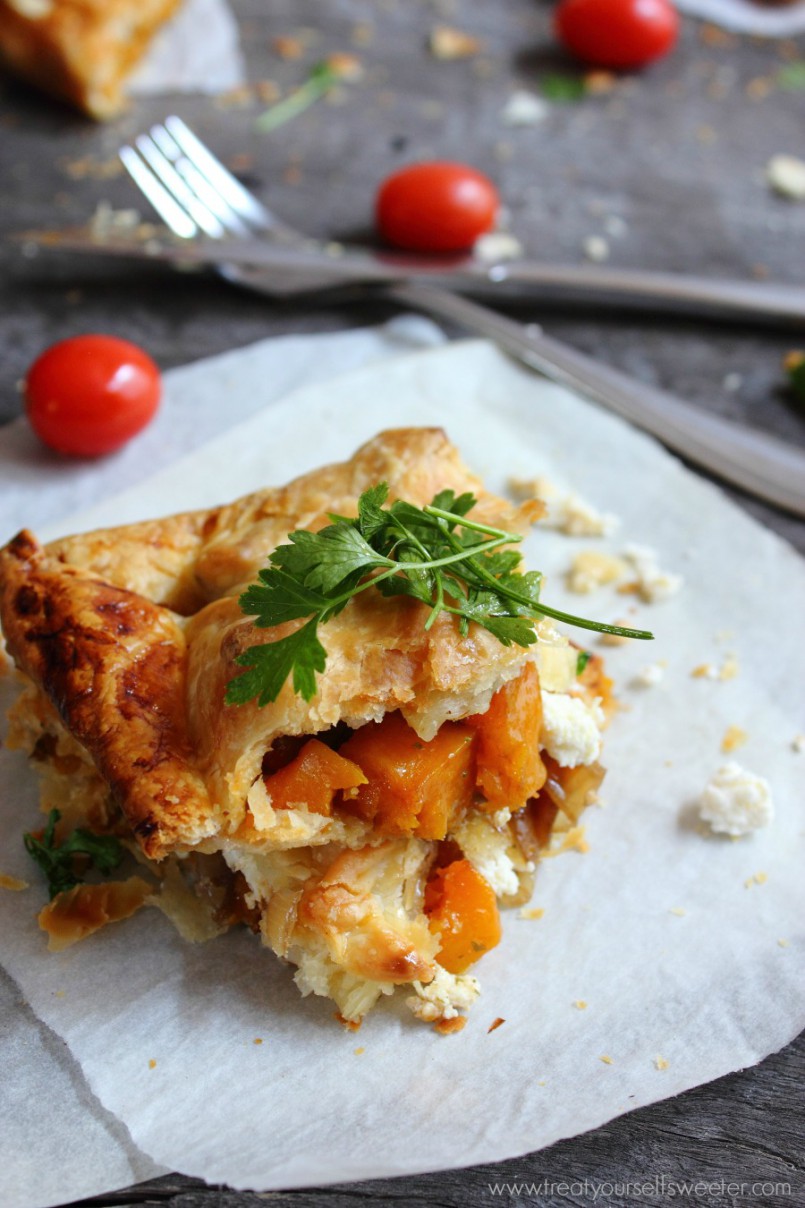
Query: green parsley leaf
[57, 860]
[582, 660]
[300, 654]
[437, 555]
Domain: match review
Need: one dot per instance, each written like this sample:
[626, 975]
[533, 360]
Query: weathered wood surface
[669, 169]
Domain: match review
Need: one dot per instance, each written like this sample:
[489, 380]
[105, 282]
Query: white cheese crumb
[786, 175]
[596, 248]
[501, 817]
[443, 997]
[798, 744]
[571, 729]
[566, 511]
[650, 675]
[652, 584]
[735, 801]
[524, 109]
[497, 246]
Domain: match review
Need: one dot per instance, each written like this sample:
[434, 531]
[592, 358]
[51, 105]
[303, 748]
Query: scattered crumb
[495, 1024]
[566, 511]
[532, 912]
[580, 1004]
[606, 1059]
[447, 42]
[268, 92]
[615, 225]
[524, 109]
[732, 382]
[542, 1082]
[445, 1027]
[729, 668]
[59, 994]
[759, 88]
[783, 943]
[363, 34]
[258, 1040]
[359, 1052]
[786, 175]
[651, 584]
[346, 67]
[704, 671]
[12, 883]
[716, 37]
[734, 737]
[596, 248]
[679, 911]
[736, 802]
[798, 744]
[660, 1063]
[287, 47]
[650, 676]
[793, 359]
[591, 569]
[497, 246]
[706, 134]
[152, 1065]
[599, 83]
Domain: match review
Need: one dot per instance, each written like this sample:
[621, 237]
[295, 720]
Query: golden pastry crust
[80, 50]
[87, 618]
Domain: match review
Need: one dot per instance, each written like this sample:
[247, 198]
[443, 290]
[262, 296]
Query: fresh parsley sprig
[56, 860]
[434, 554]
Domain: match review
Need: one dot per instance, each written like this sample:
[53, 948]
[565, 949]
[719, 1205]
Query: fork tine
[240, 199]
[164, 170]
[177, 219]
[212, 199]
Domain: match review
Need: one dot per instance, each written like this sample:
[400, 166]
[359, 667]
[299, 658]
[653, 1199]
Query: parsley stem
[463, 522]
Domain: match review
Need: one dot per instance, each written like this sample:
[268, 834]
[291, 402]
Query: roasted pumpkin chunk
[462, 909]
[413, 787]
[312, 779]
[510, 769]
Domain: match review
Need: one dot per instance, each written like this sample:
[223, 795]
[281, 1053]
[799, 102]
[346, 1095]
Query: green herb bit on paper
[322, 78]
[56, 860]
[433, 554]
[563, 88]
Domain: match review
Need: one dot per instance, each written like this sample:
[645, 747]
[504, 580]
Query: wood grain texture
[667, 167]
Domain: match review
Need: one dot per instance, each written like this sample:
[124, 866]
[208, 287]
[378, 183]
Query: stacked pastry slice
[368, 834]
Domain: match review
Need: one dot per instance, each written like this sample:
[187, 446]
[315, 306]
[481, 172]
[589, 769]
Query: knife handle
[755, 461]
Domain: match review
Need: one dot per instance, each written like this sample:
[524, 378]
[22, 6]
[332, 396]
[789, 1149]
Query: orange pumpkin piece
[510, 769]
[462, 908]
[312, 779]
[414, 787]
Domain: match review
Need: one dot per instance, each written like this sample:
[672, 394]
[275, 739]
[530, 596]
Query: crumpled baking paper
[671, 938]
[746, 17]
[197, 51]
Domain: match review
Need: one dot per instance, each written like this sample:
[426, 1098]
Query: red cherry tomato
[617, 34]
[435, 207]
[90, 394]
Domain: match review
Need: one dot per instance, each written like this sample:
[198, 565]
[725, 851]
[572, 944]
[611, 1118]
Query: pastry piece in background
[80, 50]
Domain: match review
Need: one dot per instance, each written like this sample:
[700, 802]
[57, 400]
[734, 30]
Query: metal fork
[196, 195]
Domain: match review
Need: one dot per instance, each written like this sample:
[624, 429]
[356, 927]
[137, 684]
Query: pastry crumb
[679, 911]
[14, 884]
[495, 1024]
[580, 1004]
[257, 1040]
[607, 1060]
[447, 43]
[359, 1052]
[351, 1025]
[652, 584]
[446, 1027]
[660, 1063]
[152, 1065]
[734, 737]
[649, 676]
[798, 744]
[591, 569]
[532, 912]
[782, 943]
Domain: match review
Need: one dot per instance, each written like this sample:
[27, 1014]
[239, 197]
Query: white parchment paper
[197, 51]
[671, 938]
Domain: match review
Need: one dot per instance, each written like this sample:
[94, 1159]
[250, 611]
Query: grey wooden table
[667, 168]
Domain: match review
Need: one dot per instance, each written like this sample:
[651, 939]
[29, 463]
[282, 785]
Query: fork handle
[756, 462]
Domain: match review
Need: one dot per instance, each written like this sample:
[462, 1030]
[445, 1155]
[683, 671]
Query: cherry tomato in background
[436, 207]
[617, 34]
[90, 394]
